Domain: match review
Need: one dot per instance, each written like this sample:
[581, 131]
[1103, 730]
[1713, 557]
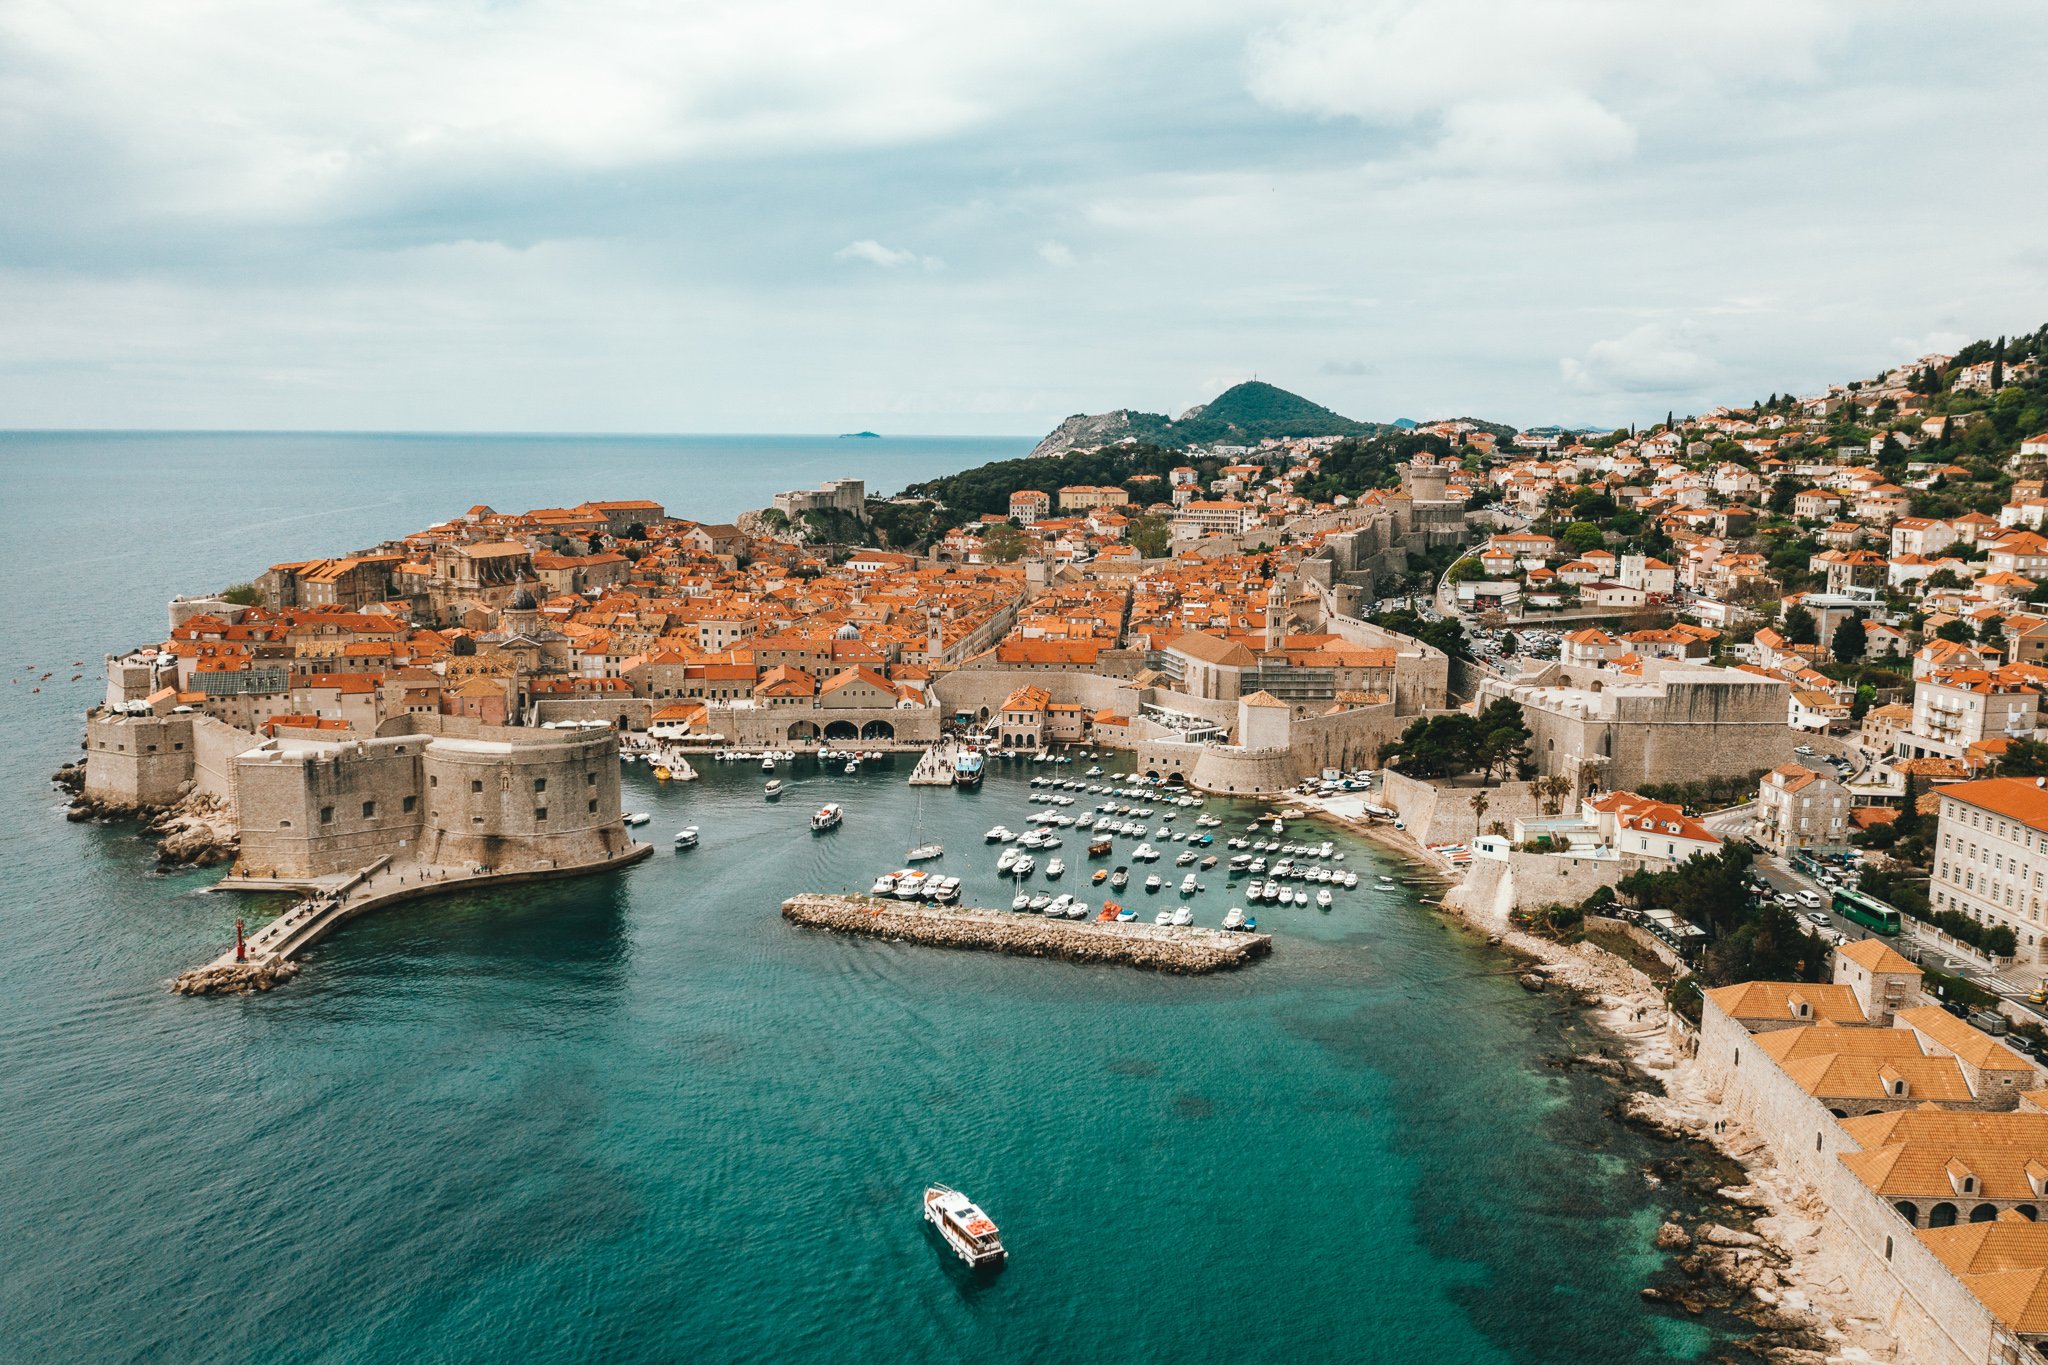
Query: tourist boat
[945, 890]
[1324, 899]
[686, 837]
[1233, 918]
[1183, 916]
[773, 788]
[999, 835]
[1120, 878]
[965, 1228]
[885, 885]
[1099, 848]
[829, 816]
[967, 766]
[909, 885]
[1055, 868]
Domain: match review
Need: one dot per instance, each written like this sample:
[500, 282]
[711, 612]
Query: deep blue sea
[639, 1118]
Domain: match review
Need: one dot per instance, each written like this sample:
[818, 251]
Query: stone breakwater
[1187, 950]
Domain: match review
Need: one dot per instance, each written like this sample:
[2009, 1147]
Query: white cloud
[1653, 359]
[1057, 254]
[874, 253]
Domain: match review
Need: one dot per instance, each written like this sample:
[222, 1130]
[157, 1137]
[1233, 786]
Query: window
[540, 813]
[590, 779]
[476, 788]
[593, 805]
[284, 824]
[369, 809]
[409, 805]
[327, 815]
[540, 784]
[433, 780]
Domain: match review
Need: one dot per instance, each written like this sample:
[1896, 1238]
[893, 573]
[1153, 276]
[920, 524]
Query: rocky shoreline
[1751, 1244]
[237, 978]
[195, 831]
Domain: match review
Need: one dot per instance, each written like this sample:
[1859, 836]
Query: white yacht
[1233, 918]
[909, 886]
[1055, 868]
[638, 818]
[999, 835]
[1187, 885]
[1324, 899]
[885, 885]
[1183, 916]
[686, 837]
[1008, 860]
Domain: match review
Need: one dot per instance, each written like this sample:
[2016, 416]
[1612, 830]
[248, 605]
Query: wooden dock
[1187, 950]
[935, 768]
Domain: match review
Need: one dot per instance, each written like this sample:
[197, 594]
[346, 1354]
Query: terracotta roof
[1776, 999]
[1874, 955]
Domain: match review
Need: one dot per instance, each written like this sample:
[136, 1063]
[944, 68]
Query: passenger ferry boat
[967, 766]
[772, 788]
[970, 1232]
[827, 816]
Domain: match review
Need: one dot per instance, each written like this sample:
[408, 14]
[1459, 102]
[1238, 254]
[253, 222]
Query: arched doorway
[2028, 1212]
[804, 730]
[1984, 1213]
[1942, 1215]
[841, 729]
[1908, 1211]
[878, 729]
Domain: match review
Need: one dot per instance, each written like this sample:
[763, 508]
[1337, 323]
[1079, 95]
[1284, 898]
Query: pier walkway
[1188, 949]
[935, 769]
[329, 901]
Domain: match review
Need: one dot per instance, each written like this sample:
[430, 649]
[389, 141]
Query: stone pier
[1188, 950]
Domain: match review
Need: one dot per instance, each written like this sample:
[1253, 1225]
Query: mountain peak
[1243, 414]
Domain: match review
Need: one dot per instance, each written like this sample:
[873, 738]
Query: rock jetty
[1186, 950]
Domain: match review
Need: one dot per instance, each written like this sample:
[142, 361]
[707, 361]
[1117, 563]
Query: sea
[638, 1117]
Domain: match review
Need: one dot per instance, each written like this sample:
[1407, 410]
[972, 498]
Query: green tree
[1150, 535]
[1955, 630]
[1436, 746]
[2024, 758]
[1850, 639]
[1800, 628]
[1003, 543]
[1582, 536]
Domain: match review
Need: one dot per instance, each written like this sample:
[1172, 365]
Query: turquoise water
[640, 1118]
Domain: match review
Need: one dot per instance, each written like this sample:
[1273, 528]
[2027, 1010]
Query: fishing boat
[1120, 878]
[686, 837]
[885, 885]
[772, 788]
[965, 1228]
[1099, 848]
[829, 816]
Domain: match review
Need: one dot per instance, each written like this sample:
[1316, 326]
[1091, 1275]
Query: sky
[979, 216]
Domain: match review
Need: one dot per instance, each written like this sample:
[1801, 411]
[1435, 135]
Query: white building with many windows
[1991, 856]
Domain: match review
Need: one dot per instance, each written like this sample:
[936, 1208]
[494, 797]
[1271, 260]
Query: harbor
[1186, 950]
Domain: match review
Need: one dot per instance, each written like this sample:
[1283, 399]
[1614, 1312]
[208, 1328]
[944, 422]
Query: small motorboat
[1324, 899]
[1152, 883]
[1186, 856]
[1163, 918]
[1055, 868]
[924, 853]
[1255, 890]
[999, 835]
[1120, 878]
[767, 763]
[829, 816]
[885, 885]
[1022, 867]
[852, 766]
[661, 772]
[686, 837]
[1187, 885]
[1077, 909]
[1240, 861]
[1183, 916]
[1040, 901]
[1124, 913]
[1350, 881]
[1021, 901]
[1233, 918]
[638, 818]
[1145, 853]
[965, 1228]
[1007, 860]
[772, 788]
[1095, 772]
[1101, 876]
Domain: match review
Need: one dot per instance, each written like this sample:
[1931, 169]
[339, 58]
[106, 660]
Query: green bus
[1868, 911]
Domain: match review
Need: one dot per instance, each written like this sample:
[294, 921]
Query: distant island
[859, 436]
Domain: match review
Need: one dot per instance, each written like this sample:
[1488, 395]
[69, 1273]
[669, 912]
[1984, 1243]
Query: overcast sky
[980, 215]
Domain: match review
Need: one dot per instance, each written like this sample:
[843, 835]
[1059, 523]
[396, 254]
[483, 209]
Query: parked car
[1816, 917]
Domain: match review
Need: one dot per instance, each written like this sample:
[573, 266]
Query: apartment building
[1991, 855]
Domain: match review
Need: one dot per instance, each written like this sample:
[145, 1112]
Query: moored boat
[924, 853]
[971, 1233]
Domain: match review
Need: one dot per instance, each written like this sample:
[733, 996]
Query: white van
[1809, 900]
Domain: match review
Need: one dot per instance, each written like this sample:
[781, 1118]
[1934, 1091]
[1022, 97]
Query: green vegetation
[1444, 633]
[244, 595]
[987, 488]
[1493, 743]
[1351, 468]
[1150, 535]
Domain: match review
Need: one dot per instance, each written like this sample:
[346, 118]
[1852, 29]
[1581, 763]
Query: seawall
[1185, 950]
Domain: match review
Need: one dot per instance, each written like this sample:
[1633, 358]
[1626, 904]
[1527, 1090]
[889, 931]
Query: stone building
[1798, 807]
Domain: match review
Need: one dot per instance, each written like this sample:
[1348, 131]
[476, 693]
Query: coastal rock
[1672, 1237]
[1531, 982]
[236, 978]
[1748, 1196]
[1728, 1237]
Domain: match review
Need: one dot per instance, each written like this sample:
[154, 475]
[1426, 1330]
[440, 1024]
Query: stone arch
[1984, 1213]
[984, 714]
[1839, 1113]
[2028, 1212]
[1909, 1211]
[1152, 774]
[841, 729]
[624, 724]
[878, 729]
[804, 729]
[1942, 1215]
